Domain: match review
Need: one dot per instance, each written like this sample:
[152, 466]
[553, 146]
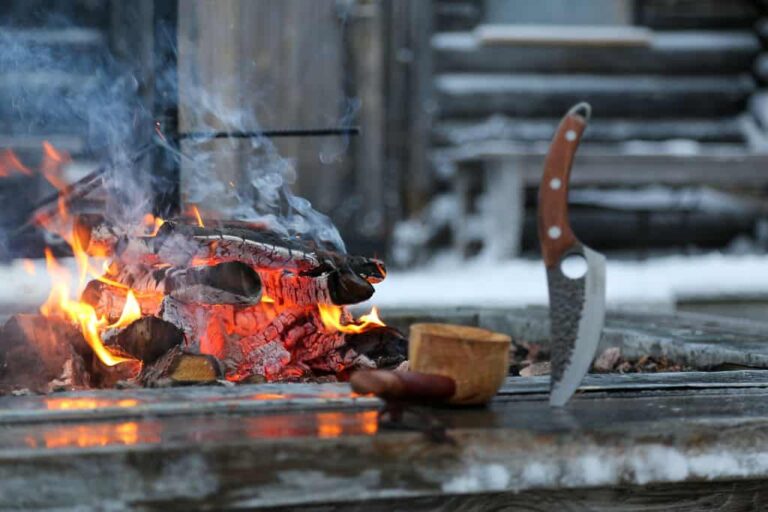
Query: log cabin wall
[68, 39]
[671, 109]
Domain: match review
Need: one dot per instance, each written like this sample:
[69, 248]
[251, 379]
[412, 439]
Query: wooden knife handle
[555, 234]
[403, 386]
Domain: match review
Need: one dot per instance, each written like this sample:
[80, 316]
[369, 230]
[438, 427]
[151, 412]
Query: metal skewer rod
[308, 132]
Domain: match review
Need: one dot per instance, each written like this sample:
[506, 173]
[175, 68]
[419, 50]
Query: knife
[576, 302]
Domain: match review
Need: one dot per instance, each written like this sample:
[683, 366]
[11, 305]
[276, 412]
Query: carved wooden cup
[477, 359]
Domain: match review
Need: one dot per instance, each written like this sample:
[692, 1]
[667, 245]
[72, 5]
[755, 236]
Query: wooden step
[695, 14]
[728, 129]
[37, 13]
[67, 50]
[719, 165]
[457, 14]
[675, 53]
[475, 95]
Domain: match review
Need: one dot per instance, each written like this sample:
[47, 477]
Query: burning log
[177, 367]
[147, 339]
[209, 283]
[109, 300]
[125, 371]
[42, 354]
[337, 287]
[180, 244]
[225, 283]
[207, 328]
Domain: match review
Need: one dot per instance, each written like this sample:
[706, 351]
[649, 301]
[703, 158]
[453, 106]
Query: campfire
[192, 299]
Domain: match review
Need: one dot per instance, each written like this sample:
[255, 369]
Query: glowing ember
[284, 325]
[331, 317]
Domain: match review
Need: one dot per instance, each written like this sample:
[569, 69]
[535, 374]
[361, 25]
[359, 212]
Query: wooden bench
[506, 169]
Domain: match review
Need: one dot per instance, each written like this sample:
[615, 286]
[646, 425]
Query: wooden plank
[600, 130]
[560, 12]
[700, 341]
[640, 382]
[457, 14]
[670, 53]
[473, 95]
[562, 35]
[409, 102]
[72, 49]
[603, 166]
[97, 405]
[340, 457]
[369, 174]
[243, 64]
[696, 14]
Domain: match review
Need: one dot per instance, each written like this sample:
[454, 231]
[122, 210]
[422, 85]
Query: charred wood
[206, 328]
[336, 287]
[386, 347]
[42, 354]
[109, 300]
[180, 244]
[124, 372]
[147, 339]
[224, 283]
[178, 368]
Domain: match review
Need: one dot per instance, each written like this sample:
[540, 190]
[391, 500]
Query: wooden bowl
[477, 359]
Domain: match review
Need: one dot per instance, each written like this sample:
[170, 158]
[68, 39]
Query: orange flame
[53, 162]
[153, 224]
[196, 212]
[331, 318]
[131, 312]
[10, 163]
[80, 313]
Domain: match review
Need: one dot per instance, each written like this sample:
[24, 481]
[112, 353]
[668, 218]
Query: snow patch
[491, 477]
[658, 463]
[658, 281]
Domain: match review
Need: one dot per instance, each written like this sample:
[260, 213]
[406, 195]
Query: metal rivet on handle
[554, 232]
[570, 135]
[555, 183]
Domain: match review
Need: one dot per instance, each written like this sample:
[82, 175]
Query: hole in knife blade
[570, 135]
[573, 266]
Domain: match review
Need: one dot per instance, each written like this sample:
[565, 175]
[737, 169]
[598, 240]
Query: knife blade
[576, 302]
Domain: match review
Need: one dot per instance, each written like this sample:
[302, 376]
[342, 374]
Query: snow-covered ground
[656, 283]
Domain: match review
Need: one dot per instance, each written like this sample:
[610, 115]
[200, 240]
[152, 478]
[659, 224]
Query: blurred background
[456, 101]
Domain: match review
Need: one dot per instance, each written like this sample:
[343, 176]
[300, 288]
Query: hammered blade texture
[566, 303]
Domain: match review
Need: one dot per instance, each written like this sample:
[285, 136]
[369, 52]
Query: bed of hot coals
[187, 301]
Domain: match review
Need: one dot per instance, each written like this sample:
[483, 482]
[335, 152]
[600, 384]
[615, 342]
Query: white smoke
[106, 108]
